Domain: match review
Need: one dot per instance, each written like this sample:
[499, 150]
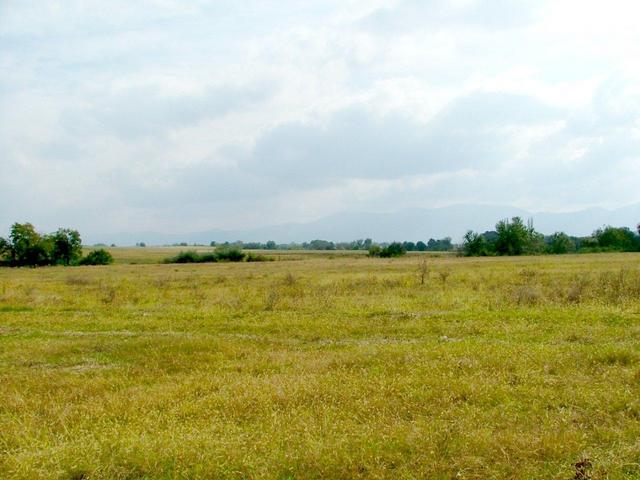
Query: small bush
[221, 254]
[185, 257]
[396, 249]
[229, 254]
[97, 257]
[208, 258]
[256, 257]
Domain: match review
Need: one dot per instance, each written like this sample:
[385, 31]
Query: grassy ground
[319, 367]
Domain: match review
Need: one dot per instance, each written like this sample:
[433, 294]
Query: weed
[528, 295]
[424, 271]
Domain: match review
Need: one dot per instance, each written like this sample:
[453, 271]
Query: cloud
[409, 15]
[355, 143]
[147, 111]
[208, 115]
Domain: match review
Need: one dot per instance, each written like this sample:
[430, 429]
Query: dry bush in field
[271, 300]
[444, 276]
[424, 271]
[289, 279]
[577, 289]
[528, 295]
[107, 294]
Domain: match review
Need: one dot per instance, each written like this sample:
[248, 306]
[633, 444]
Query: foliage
[516, 238]
[5, 249]
[66, 247]
[319, 245]
[441, 245]
[256, 257]
[97, 257]
[185, 257]
[229, 254]
[474, 244]
[26, 246]
[616, 239]
[374, 250]
[560, 243]
[222, 253]
[395, 249]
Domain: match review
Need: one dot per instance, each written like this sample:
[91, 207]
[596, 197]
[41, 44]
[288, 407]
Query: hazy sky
[187, 115]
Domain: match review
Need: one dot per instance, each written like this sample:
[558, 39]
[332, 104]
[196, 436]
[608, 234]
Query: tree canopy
[27, 247]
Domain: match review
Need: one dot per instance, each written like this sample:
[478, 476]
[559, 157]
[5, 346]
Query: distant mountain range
[410, 224]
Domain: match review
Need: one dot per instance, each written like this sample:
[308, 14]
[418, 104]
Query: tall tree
[66, 247]
[474, 244]
[27, 246]
[516, 238]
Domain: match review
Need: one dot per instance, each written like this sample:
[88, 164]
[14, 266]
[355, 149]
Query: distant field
[141, 255]
[327, 365]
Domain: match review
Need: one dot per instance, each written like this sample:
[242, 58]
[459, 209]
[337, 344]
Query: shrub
[207, 258]
[97, 257]
[256, 257]
[223, 253]
[396, 249]
[229, 254]
[185, 257]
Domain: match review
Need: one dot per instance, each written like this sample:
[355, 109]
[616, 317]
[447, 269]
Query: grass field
[322, 366]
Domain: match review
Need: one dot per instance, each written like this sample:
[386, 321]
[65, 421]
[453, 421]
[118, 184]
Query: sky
[182, 116]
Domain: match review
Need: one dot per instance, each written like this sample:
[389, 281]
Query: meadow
[322, 366]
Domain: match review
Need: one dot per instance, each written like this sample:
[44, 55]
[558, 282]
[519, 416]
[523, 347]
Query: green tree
[5, 248]
[66, 247]
[28, 247]
[396, 249]
[441, 245]
[474, 244]
[516, 238]
[560, 243]
[612, 238]
[409, 246]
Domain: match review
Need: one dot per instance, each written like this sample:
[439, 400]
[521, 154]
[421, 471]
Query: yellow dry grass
[322, 366]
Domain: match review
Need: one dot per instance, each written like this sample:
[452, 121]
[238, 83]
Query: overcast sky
[166, 115]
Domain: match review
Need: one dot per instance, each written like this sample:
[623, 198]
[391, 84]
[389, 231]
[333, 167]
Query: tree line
[514, 237]
[27, 247]
[432, 245]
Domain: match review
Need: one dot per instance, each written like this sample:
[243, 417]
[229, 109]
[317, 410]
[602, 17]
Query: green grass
[322, 366]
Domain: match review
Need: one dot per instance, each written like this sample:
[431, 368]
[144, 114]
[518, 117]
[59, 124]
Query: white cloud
[174, 115]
